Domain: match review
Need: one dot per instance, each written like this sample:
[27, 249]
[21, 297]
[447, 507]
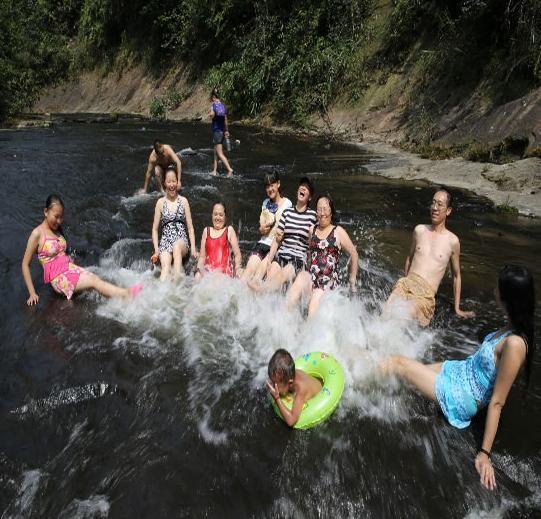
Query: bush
[157, 108]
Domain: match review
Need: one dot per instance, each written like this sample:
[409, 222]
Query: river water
[157, 407]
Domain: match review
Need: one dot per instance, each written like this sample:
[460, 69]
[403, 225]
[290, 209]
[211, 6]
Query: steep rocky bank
[375, 123]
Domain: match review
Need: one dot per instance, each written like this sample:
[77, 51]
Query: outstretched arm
[409, 257]
[346, 243]
[176, 160]
[148, 174]
[232, 237]
[31, 248]
[155, 229]
[189, 224]
[202, 254]
[512, 358]
[457, 280]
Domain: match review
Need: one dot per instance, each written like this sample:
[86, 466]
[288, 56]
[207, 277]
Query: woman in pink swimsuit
[64, 276]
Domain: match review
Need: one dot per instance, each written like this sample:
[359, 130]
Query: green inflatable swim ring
[325, 368]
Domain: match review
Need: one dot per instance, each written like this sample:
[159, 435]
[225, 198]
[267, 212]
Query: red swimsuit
[218, 255]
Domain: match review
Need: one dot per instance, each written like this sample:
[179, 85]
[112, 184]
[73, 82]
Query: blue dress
[464, 386]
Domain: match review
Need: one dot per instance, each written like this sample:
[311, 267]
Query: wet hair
[157, 144]
[169, 168]
[328, 197]
[281, 366]
[305, 181]
[517, 294]
[53, 199]
[449, 196]
[271, 178]
[219, 202]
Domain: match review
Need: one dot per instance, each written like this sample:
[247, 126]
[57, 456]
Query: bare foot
[213, 173]
[256, 287]
[230, 173]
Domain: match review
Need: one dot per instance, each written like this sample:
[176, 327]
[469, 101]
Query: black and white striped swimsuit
[296, 228]
[173, 227]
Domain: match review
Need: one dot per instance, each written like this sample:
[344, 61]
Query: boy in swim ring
[284, 379]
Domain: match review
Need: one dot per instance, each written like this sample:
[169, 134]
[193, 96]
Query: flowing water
[157, 407]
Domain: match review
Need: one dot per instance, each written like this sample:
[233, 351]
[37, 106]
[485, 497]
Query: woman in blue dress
[484, 379]
[220, 132]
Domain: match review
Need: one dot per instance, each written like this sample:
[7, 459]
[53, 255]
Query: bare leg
[165, 259]
[251, 267]
[288, 273]
[90, 280]
[179, 251]
[397, 306]
[214, 163]
[420, 375]
[273, 281]
[219, 151]
[317, 294]
[262, 269]
[302, 286]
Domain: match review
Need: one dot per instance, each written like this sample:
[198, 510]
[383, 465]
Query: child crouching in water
[283, 379]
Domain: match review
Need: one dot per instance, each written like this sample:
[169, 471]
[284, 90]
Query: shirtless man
[431, 249]
[160, 158]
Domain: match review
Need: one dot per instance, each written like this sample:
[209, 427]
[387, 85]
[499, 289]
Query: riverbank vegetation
[286, 61]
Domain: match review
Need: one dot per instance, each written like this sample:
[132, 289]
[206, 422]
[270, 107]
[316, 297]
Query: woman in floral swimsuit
[64, 276]
[326, 243]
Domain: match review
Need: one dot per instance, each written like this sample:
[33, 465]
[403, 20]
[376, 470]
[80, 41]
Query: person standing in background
[220, 132]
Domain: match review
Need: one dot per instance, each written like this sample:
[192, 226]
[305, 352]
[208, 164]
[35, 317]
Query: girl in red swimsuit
[217, 243]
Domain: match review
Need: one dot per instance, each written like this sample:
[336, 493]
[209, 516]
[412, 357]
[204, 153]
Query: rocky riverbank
[513, 187]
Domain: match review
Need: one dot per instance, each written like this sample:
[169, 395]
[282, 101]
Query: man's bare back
[164, 159]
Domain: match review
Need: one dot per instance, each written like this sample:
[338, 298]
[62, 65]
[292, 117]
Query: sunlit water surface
[157, 407]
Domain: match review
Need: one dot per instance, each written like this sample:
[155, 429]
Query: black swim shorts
[261, 250]
[217, 137]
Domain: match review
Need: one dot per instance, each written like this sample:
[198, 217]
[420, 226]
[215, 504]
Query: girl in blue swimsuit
[485, 378]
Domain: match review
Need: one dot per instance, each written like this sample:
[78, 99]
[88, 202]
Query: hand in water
[486, 471]
[194, 253]
[32, 300]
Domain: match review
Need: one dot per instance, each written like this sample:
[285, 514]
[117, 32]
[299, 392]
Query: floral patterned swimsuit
[58, 269]
[324, 256]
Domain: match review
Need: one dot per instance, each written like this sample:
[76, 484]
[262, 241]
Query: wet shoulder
[516, 343]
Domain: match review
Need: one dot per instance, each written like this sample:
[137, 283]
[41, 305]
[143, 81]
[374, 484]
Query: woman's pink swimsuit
[58, 270]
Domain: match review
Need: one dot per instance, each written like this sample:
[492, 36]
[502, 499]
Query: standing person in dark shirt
[220, 131]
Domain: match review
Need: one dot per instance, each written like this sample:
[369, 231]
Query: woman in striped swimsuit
[287, 255]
